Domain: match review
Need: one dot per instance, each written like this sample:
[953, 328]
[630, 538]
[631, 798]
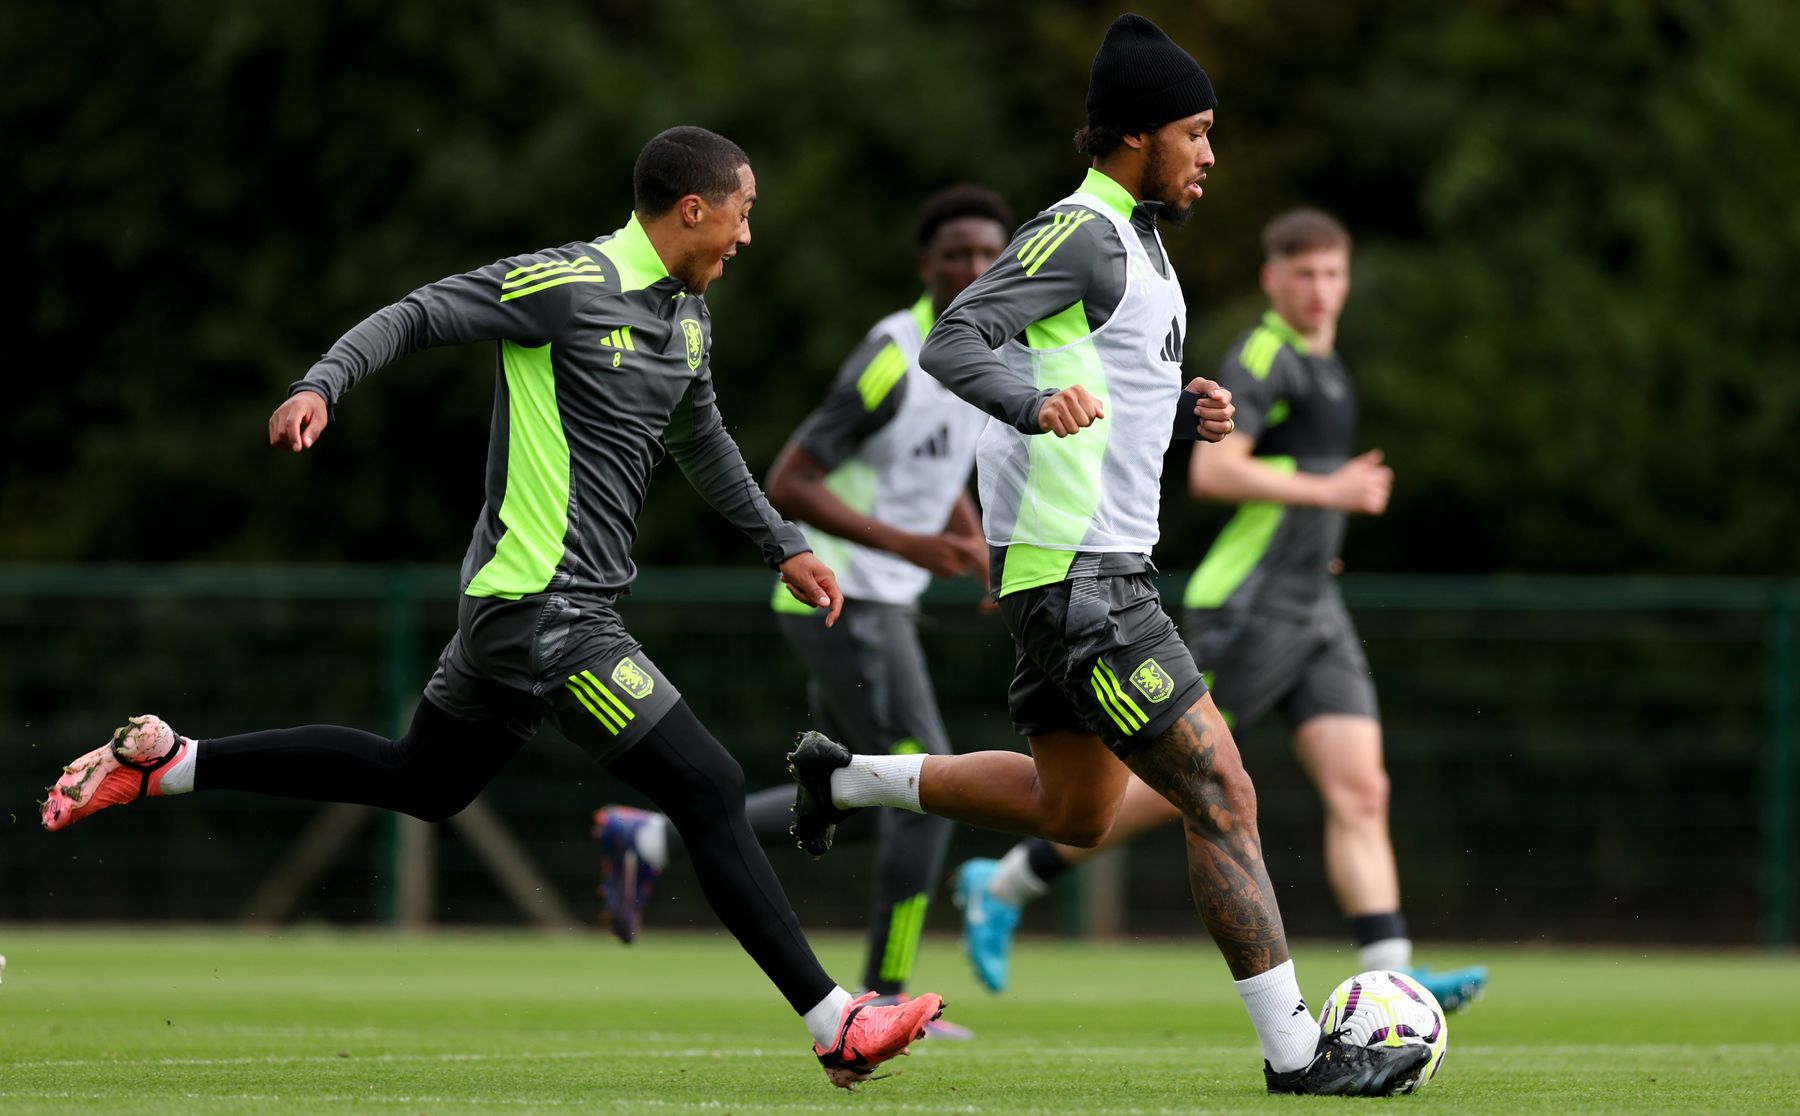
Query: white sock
[1388, 953]
[652, 842]
[1013, 880]
[1288, 1032]
[879, 781]
[822, 1018]
[178, 777]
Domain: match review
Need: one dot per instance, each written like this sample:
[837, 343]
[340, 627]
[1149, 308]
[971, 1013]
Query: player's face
[1308, 288]
[1178, 156]
[718, 233]
[959, 253]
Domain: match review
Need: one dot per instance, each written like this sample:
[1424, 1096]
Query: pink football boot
[869, 1035]
[128, 767]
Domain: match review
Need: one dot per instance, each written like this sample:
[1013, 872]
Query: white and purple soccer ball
[1385, 1008]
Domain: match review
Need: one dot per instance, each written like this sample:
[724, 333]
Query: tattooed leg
[1196, 766]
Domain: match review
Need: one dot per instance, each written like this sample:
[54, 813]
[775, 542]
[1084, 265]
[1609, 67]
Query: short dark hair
[1097, 141]
[965, 199]
[1303, 230]
[681, 161]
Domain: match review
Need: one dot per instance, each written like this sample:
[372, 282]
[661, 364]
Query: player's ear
[690, 207]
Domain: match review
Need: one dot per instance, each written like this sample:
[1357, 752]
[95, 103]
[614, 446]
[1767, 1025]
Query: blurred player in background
[1077, 333]
[878, 473]
[603, 360]
[1264, 617]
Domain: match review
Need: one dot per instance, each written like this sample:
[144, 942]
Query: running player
[1088, 318]
[1263, 613]
[603, 351]
[878, 473]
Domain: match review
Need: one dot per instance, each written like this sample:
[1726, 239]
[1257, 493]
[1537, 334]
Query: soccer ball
[1385, 1008]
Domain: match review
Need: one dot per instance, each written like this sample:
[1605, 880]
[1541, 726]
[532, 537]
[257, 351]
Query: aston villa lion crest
[1153, 681]
[632, 679]
[696, 342]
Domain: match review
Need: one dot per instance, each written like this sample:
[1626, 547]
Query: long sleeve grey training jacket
[603, 360]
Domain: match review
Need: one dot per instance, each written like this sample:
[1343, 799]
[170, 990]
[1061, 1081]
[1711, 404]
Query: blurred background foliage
[1578, 232]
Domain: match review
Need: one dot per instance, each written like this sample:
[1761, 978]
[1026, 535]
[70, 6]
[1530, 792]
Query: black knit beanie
[1142, 79]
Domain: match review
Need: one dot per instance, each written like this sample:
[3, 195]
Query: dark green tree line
[1577, 233]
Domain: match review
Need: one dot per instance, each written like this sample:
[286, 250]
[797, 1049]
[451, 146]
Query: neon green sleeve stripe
[529, 268]
[1260, 352]
[568, 269]
[595, 278]
[879, 378]
[1039, 237]
[547, 268]
[1049, 247]
[1240, 546]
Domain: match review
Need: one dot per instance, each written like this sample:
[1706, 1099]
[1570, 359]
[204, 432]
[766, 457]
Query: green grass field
[217, 1022]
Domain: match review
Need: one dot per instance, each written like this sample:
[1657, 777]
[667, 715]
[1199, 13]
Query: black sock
[432, 772]
[909, 860]
[694, 781]
[1046, 863]
[1366, 929]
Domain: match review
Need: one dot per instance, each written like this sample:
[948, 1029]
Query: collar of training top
[1279, 327]
[633, 254]
[1110, 192]
[924, 313]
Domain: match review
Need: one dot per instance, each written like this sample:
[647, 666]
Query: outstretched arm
[524, 299]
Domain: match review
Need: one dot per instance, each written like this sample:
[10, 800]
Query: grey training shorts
[1304, 668]
[514, 663]
[1098, 654]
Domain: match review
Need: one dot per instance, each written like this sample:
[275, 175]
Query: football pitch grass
[306, 1021]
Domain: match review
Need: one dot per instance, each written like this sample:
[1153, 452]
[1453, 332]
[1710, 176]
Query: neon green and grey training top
[898, 447]
[1083, 295]
[603, 361]
[1300, 407]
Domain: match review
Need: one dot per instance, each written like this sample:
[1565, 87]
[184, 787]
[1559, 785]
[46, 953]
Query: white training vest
[908, 474]
[1097, 490]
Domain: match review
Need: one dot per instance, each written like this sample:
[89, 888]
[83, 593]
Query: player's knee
[1221, 799]
[1077, 836]
[716, 778]
[427, 787]
[1362, 797]
[1083, 829]
[728, 778]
